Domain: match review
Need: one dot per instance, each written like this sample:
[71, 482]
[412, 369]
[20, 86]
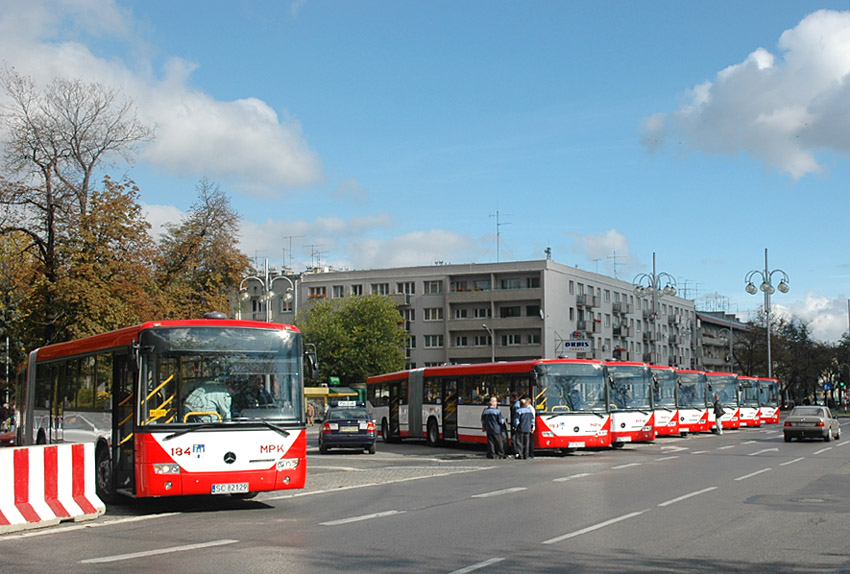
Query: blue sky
[389, 133]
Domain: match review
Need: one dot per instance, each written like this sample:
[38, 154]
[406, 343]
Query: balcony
[587, 301]
[589, 326]
[400, 299]
[621, 308]
[622, 331]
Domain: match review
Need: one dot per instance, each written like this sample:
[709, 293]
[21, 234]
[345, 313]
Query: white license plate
[230, 488]
[575, 445]
[623, 439]
[349, 429]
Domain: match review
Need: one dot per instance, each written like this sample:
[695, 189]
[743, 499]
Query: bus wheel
[385, 430]
[433, 434]
[41, 438]
[618, 444]
[103, 475]
[568, 450]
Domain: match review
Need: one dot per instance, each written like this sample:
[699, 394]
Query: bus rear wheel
[385, 430]
[103, 475]
[432, 436]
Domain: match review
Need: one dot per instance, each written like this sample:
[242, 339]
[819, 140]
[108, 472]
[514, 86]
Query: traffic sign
[827, 387]
[333, 381]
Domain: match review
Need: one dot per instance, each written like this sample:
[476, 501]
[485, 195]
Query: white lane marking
[699, 452]
[130, 556]
[500, 492]
[618, 467]
[749, 442]
[758, 452]
[663, 458]
[752, 474]
[726, 447]
[772, 433]
[571, 477]
[686, 496]
[361, 518]
[792, 461]
[845, 443]
[594, 527]
[344, 468]
[81, 526]
[367, 485]
[479, 566]
[822, 450]
[674, 448]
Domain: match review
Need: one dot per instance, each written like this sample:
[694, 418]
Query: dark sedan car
[811, 422]
[347, 425]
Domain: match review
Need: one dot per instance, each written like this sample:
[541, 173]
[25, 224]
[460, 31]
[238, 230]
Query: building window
[433, 341]
[481, 285]
[433, 287]
[339, 291]
[411, 342]
[513, 311]
[380, 288]
[572, 288]
[357, 289]
[580, 287]
[482, 340]
[511, 283]
[459, 286]
[317, 292]
[607, 297]
[534, 339]
[408, 287]
[433, 314]
[532, 311]
[482, 312]
[572, 314]
[461, 313]
[512, 339]
[607, 322]
[409, 314]
[461, 341]
[532, 282]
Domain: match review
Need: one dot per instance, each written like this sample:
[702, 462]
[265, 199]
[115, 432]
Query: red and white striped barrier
[44, 485]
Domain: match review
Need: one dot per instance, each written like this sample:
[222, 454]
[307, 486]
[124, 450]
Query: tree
[57, 137]
[200, 262]
[355, 337]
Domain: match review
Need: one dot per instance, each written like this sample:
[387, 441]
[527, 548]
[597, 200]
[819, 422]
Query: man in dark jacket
[524, 422]
[493, 423]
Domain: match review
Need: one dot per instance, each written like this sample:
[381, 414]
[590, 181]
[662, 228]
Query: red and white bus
[725, 386]
[445, 403]
[749, 414]
[769, 400]
[207, 406]
[630, 399]
[665, 398]
[693, 405]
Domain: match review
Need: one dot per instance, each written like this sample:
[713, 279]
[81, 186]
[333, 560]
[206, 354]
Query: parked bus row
[208, 406]
[579, 403]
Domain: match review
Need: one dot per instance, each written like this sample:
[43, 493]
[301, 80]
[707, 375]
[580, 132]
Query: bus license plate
[623, 439]
[575, 445]
[230, 488]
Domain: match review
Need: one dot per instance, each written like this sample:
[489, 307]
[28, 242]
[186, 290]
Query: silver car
[811, 422]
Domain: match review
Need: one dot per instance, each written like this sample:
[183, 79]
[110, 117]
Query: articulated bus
[630, 399]
[207, 406]
[693, 401]
[725, 386]
[749, 413]
[445, 403]
[665, 398]
[769, 400]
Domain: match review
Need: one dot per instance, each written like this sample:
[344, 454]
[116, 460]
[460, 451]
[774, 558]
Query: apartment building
[717, 335]
[515, 310]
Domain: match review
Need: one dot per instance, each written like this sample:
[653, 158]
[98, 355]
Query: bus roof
[720, 374]
[128, 335]
[479, 369]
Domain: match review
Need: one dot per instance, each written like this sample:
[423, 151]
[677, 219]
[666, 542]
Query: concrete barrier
[44, 485]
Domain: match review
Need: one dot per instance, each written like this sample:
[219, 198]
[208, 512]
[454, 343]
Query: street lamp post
[492, 343]
[767, 288]
[267, 285]
[654, 285]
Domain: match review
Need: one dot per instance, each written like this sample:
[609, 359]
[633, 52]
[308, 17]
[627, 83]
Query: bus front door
[450, 409]
[124, 400]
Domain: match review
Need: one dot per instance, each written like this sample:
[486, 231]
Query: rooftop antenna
[597, 260]
[315, 256]
[499, 225]
[615, 257]
[290, 238]
[548, 252]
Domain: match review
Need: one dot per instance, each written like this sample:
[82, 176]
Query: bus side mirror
[312, 361]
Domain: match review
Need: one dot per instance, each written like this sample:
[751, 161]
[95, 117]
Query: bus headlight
[166, 468]
[288, 464]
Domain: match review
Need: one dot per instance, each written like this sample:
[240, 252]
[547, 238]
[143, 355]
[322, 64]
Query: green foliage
[355, 337]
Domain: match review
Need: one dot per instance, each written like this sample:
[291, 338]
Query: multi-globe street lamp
[267, 284]
[654, 285]
[767, 288]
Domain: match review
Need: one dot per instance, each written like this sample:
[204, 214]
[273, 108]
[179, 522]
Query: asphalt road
[743, 502]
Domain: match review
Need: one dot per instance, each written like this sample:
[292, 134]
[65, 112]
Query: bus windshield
[203, 375]
[630, 387]
[571, 387]
[768, 393]
[725, 387]
[664, 388]
[749, 394]
[692, 390]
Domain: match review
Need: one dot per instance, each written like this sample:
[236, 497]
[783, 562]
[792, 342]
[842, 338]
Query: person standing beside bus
[492, 422]
[718, 412]
[524, 423]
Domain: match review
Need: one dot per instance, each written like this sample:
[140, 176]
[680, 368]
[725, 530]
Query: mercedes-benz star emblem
[229, 458]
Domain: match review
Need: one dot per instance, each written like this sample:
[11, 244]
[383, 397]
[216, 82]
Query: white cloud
[244, 142]
[609, 251]
[781, 108]
[827, 318]
[159, 215]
